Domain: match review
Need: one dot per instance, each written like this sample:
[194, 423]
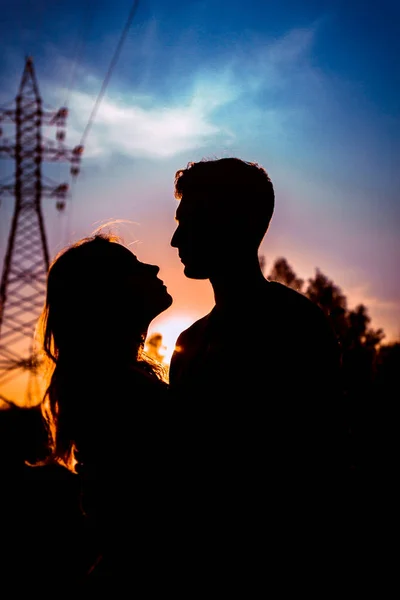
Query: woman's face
[146, 291]
[104, 292]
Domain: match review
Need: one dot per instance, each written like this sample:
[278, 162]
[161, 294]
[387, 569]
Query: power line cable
[101, 94]
[110, 69]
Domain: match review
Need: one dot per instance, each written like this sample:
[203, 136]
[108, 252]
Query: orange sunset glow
[224, 174]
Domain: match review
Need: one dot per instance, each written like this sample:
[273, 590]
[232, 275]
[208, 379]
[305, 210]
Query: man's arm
[176, 362]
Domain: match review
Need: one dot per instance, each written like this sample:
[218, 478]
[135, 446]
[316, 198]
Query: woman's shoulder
[149, 377]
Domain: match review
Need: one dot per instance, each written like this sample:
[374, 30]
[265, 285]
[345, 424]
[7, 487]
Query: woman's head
[100, 299]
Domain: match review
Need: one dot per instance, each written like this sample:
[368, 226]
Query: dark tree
[283, 272]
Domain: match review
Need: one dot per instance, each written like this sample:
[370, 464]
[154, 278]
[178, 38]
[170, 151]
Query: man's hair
[236, 186]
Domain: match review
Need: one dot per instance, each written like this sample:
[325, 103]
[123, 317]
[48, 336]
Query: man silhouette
[257, 379]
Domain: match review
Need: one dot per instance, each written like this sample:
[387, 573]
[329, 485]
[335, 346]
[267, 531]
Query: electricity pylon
[26, 262]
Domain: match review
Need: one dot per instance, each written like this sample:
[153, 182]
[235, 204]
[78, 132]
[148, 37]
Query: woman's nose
[174, 239]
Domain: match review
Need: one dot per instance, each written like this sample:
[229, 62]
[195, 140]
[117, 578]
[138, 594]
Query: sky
[309, 89]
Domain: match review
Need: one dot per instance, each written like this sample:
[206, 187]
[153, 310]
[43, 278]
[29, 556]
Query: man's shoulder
[186, 346]
[287, 298]
[284, 292]
[297, 313]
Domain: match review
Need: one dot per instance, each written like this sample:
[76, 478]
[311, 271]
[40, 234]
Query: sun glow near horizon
[169, 327]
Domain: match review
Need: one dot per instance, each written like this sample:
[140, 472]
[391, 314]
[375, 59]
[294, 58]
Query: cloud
[216, 104]
[146, 131]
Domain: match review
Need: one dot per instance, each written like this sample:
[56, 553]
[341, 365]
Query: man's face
[197, 236]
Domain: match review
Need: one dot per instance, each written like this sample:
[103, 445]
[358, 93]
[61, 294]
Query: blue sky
[309, 89]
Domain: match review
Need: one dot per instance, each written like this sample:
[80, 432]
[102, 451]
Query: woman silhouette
[106, 406]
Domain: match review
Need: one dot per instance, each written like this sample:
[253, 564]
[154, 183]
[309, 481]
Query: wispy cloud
[135, 130]
[211, 105]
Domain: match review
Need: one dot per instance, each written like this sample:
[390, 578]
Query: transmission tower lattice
[26, 261]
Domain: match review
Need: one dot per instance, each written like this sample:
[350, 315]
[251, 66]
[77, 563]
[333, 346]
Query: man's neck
[239, 287]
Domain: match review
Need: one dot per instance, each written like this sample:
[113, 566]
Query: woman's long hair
[90, 335]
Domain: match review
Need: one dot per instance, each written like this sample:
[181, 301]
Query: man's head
[223, 204]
